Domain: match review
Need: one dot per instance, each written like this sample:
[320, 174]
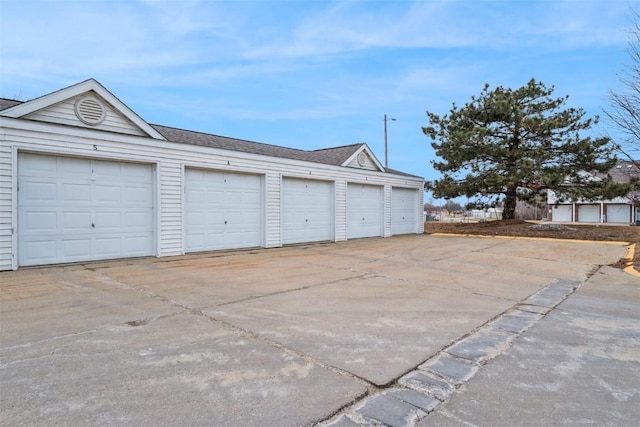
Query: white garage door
[307, 211]
[222, 210]
[619, 213]
[562, 213]
[364, 211]
[404, 211]
[589, 213]
[72, 209]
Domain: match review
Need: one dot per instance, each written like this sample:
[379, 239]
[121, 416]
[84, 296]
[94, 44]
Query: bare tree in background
[625, 103]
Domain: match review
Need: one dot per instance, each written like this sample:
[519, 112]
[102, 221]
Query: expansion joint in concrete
[414, 395]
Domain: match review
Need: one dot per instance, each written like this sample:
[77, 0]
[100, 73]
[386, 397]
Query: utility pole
[386, 149]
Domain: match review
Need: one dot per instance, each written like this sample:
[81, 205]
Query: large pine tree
[512, 144]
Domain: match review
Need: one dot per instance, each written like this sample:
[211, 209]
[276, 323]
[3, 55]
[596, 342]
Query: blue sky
[314, 74]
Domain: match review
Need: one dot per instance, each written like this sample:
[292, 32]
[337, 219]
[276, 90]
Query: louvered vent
[362, 158]
[90, 110]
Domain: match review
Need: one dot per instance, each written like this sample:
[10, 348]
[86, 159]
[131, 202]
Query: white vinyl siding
[588, 213]
[222, 210]
[619, 213]
[169, 160]
[387, 210]
[64, 113]
[73, 209]
[6, 238]
[307, 211]
[340, 203]
[404, 211]
[562, 213]
[273, 185]
[364, 211]
[170, 178]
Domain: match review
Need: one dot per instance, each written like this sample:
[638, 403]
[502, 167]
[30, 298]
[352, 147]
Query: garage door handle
[93, 225]
[306, 220]
[225, 223]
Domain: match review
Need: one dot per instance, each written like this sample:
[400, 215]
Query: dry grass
[518, 228]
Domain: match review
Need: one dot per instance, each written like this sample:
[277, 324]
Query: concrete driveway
[280, 337]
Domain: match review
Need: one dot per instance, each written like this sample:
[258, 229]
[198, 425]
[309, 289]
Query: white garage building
[620, 210]
[83, 178]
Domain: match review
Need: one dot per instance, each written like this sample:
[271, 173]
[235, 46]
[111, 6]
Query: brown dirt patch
[518, 228]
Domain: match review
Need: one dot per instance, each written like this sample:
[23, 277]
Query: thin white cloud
[348, 26]
[315, 54]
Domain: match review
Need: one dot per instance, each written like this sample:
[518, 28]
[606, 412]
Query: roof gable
[363, 158]
[86, 104]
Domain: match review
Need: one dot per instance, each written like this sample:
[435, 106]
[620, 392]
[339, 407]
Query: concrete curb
[629, 257]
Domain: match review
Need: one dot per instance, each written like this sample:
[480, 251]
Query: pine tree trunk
[509, 210]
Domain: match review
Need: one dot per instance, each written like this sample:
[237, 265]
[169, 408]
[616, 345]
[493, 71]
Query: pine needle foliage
[510, 145]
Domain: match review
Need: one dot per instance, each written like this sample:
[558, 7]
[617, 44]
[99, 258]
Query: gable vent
[90, 110]
[362, 158]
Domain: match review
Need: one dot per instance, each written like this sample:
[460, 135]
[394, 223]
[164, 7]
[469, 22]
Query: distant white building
[83, 177]
[621, 210]
[490, 213]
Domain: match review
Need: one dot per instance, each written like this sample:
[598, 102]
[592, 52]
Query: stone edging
[416, 394]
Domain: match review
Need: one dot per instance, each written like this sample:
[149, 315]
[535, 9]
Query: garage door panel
[109, 246]
[104, 169]
[235, 198]
[75, 249]
[589, 213]
[562, 213]
[109, 221]
[40, 191]
[364, 211]
[107, 194]
[223, 210]
[41, 249]
[136, 220]
[403, 211]
[136, 196]
[40, 221]
[136, 173]
[39, 165]
[195, 196]
[74, 221]
[307, 211]
[136, 244]
[79, 193]
[70, 167]
[84, 215]
[619, 213]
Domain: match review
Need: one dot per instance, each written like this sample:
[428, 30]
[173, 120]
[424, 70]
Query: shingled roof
[331, 156]
[335, 156]
[8, 103]
[625, 170]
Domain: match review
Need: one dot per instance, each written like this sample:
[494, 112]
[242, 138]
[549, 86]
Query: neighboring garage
[365, 206]
[84, 178]
[73, 209]
[307, 211]
[223, 210]
[618, 213]
[588, 213]
[403, 213]
[618, 210]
